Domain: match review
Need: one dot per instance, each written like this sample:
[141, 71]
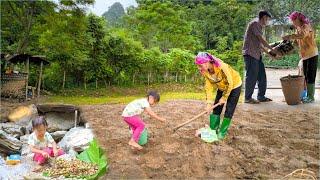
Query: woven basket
[292, 87]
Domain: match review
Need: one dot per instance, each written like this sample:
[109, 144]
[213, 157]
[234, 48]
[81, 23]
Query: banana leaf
[94, 154]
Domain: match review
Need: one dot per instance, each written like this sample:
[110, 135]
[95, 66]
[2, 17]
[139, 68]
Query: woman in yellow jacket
[228, 83]
[305, 38]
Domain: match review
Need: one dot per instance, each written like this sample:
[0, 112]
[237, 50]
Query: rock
[23, 115]
[25, 150]
[77, 138]
[58, 135]
[72, 152]
[59, 121]
[8, 143]
[24, 138]
[13, 129]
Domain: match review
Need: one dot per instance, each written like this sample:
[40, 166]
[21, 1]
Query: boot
[310, 93]
[214, 121]
[224, 128]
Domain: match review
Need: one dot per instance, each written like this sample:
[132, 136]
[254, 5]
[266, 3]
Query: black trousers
[231, 103]
[255, 73]
[310, 69]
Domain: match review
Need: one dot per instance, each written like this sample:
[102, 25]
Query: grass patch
[124, 95]
[89, 100]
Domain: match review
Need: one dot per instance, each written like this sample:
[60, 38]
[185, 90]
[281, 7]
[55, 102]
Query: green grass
[124, 95]
[89, 100]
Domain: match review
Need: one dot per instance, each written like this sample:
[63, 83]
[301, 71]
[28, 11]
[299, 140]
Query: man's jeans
[255, 72]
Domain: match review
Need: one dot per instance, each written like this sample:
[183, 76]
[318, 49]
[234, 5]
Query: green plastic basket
[143, 137]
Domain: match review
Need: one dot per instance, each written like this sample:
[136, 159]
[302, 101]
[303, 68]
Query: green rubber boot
[214, 121]
[224, 128]
[143, 137]
[310, 93]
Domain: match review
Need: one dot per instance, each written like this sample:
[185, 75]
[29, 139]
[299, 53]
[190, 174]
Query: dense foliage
[154, 42]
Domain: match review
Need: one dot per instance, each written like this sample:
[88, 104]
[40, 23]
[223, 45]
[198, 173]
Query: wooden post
[39, 81]
[64, 79]
[27, 71]
[75, 118]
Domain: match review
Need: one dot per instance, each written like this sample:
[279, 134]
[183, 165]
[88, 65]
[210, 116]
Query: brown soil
[265, 141]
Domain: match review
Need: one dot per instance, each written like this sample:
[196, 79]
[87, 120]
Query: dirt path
[265, 141]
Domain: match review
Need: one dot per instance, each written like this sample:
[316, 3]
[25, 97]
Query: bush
[289, 61]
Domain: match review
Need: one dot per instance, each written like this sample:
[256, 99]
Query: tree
[161, 24]
[97, 65]
[124, 54]
[64, 39]
[18, 19]
[219, 19]
[281, 9]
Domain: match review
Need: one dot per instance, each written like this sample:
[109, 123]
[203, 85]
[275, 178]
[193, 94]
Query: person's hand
[44, 154]
[55, 152]
[274, 54]
[287, 37]
[222, 101]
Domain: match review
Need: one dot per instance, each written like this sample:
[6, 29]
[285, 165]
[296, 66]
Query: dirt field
[265, 141]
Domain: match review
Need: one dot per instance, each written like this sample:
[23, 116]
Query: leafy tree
[18, 19]
[281, 9]
[124, 54]
[158, 24]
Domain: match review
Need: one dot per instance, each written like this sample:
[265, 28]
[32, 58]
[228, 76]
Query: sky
[102, 6]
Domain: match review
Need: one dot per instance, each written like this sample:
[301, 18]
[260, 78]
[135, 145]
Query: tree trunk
[149, 77]
[27, 80]
[85, 83]
[40, 77]
[133, 78]
[42, 83]
[96, 83]
[166, 76]
[185, 78]
[105, 83]
[176, 77]
[64, 79]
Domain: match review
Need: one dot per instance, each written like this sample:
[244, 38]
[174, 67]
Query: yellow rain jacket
[224, 78]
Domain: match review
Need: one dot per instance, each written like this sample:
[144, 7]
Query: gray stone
[58, 135]
[24, 138]
[13, 129]
[25, 150]
[77, 138]
[59, 121]
[8, 143]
